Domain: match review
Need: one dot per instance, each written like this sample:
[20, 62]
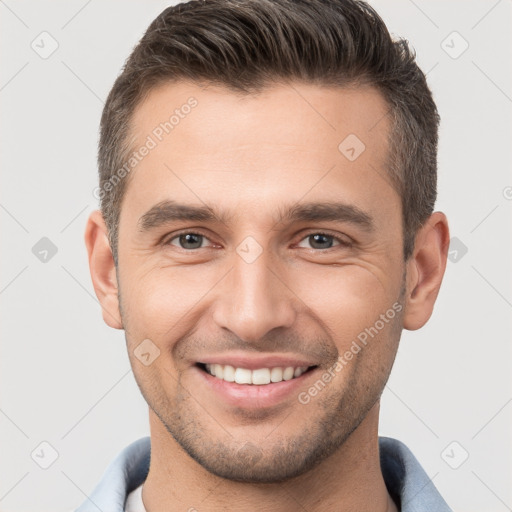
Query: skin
[253, 157]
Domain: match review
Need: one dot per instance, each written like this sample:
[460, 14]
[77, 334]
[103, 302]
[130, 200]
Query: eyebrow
[330, 211]
[172, 211]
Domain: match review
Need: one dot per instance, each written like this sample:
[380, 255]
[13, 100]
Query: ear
[102, 268]
[425, 270]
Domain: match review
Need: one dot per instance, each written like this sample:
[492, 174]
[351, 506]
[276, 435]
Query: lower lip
[252, 396]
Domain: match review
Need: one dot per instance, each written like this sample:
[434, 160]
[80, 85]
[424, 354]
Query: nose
[254, 299]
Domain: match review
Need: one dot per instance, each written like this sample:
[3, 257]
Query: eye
[192, 240]
[323, 241]
[187, 240]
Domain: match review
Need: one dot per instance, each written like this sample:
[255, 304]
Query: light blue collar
[405, 479]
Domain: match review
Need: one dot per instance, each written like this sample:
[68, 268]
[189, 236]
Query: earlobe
[425, 271]
[102, 268]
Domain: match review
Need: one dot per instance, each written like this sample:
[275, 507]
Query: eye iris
[325, 241]
[191, 238]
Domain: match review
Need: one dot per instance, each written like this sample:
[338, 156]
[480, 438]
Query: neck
[349, 480]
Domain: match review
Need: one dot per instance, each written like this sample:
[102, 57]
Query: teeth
[243, 376]
[229, 373]
[219, 371]
[288, 373]
[276, 375]
[259, 377]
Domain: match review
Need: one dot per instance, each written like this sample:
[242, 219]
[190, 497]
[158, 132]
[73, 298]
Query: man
[267, 184]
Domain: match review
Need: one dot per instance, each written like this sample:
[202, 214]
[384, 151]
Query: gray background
[65, 376]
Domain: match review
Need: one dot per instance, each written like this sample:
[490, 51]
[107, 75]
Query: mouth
[257, 388]
[256, 377]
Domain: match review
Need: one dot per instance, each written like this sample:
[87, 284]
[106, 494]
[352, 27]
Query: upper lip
[257, 361]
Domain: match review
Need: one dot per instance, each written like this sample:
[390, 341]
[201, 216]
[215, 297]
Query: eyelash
[342, 242]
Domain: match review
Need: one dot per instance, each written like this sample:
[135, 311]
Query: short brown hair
[245, 45]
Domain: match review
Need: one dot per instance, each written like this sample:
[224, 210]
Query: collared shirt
[406, 481]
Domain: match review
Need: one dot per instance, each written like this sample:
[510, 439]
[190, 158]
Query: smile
[249, 381]
[257, 377]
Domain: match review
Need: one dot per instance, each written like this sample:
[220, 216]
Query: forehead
[261, 116]
[285, 142]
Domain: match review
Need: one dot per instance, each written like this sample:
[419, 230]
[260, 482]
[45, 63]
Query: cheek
[349, 302]
[346, 299]
[158, 300]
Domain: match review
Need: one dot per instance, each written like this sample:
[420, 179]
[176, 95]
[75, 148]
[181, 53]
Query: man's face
[278, 280]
